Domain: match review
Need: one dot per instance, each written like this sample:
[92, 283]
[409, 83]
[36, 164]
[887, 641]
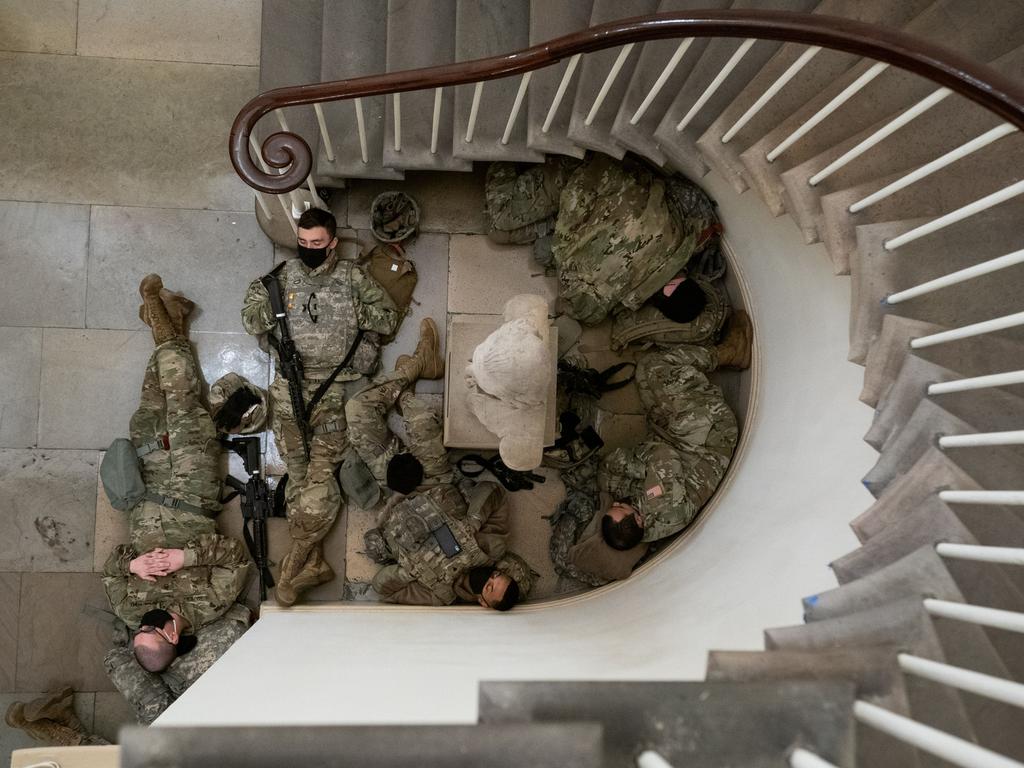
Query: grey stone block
[28, 25]
[50, 503]
[43, 251]
[484, 275]
[121, 132]
[449, 202]
[10, 599]
[208, 255]
[21, 349]
[110, 713]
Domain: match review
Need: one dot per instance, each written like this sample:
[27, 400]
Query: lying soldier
[448, 548]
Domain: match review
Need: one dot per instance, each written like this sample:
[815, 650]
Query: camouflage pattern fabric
[571, 517]
[521, 201]
[517, 569]
[649, 325]
[148, 693]
[171, 404]
[622, 233]
[216, 570]
[673, 473]
[253, 422]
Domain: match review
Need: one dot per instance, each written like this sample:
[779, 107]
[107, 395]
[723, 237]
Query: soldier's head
[159, 641]
[681, 300]
[622, 526]
[493, 588]
[404, 474]
[317, 236]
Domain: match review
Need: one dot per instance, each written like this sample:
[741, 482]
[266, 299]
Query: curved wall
[777, 522]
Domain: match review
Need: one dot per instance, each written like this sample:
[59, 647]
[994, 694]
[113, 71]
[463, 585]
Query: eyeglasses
[146, 629]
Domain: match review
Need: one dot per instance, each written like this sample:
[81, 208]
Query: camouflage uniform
[151, 693]
[326, 306]
[673, 473]
[522, 201]
[622, 233]
[215, 573]
[649, 325]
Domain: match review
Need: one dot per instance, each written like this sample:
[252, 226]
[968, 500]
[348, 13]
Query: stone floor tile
[21, 350]
[530, 533]
[484, 275]
[429, 252]
[359, 568]
[50, 503]
[43, 250]
[448, 202]
[15, 738]
[39, 26]
[219, 353]
[60, 643]
[222, 32]
[111, 527]
[10, 597]
[335, 546]
[79, 129]
[210, 256]
[110, 713]
[90, 385]
[625, 399]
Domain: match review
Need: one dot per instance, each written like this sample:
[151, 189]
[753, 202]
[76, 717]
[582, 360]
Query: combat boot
[291, 565]
[734, 351]
[409, 366]
[315, 572]
[59, 707]
[44, 729]
[159, 319]
[428, 351]
[178, 309]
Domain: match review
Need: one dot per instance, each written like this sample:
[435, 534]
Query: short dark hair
[510, 598]
[318, 217]
[621, 535]
[155, 659]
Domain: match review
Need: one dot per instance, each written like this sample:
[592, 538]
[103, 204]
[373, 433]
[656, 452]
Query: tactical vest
[408, 533]
[649, 325]
[322, 319]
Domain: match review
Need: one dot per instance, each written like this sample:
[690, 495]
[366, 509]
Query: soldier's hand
[175, 559]
[150, 565]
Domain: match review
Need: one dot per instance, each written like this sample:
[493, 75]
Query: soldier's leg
[367, 416]
[520, 206]
[149, 424]
[424, 435]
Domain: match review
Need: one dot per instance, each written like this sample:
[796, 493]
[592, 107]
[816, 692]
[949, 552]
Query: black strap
[326, 384]
[610, 371]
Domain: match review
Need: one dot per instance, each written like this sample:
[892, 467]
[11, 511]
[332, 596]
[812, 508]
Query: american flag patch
[655, 491]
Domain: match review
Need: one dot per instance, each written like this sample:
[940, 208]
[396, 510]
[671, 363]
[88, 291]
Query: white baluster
[666, 73]
[878, 136]
[255, 150]
[980, 554]
[435, 126]
[976, 614]
[322, 122]
[361, 127]
[989, 686]
[317, 202]
[977, 382]
[398, 122]
[608, 82]
[979, 439]
[847, 93]
[651, 759]
[950, 748]
[769, 94]
[516, 106]
[928, 169]
[997, 498]
[287, 208]
[801, 758]
[473, 110]
[560, 93]
[960, 276]
[967, 331]
[730, 65]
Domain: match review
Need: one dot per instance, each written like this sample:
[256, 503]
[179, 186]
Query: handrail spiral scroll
[288, 151]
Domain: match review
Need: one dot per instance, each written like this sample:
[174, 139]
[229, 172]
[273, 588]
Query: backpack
[388, 265]
[122, 476]
[648, 325]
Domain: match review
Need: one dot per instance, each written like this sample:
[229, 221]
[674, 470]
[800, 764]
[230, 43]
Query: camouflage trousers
[367, 414]
[313, 497]
[522, 203]
[673, 473]
[171, 404]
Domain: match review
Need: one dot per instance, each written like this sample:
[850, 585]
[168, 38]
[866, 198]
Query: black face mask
[155, 618]
[312, 257]
[478, 577]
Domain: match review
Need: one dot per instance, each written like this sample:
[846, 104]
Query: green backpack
[121, 475]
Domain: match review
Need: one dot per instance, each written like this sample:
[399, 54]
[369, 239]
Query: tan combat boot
[734, 351]
[155, 311]
[409, 366]
[59, 707]
[316, 571]
[291, 565]
[44, 729]
[178, 309]
[428, 351]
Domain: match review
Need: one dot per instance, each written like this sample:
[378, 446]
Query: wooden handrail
[974, 80]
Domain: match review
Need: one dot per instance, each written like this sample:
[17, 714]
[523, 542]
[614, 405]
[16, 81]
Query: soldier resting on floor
[447, 547]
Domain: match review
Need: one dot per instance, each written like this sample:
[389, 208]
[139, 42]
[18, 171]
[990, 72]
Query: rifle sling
[326, 383]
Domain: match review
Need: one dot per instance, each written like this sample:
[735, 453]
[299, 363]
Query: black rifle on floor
[288, 357]
[257, 506]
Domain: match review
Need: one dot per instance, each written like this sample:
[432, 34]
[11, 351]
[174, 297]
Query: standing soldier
[326, 333]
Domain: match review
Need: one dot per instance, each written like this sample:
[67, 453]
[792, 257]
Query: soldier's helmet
[238, 406]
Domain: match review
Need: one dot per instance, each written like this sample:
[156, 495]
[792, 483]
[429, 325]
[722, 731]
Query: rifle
[257, 505]
[288, 358]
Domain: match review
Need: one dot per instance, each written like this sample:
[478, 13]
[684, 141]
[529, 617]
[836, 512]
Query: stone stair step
[650, 64]
[489, 28]
[697, 724]
[594, 69]
[967, 28]
[550, 19]
[680, 147]
[948, 124]
[354, 45]
[421, 33]
[873, 669]
[817, 75]
[900, 400]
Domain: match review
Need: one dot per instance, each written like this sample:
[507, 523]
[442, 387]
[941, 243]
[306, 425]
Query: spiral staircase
[916, 657]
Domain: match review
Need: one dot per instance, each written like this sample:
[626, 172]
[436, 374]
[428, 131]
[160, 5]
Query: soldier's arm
[257, 317]
[145, 691]
[392, 587]
[375, 311]
[229, 570]
[489, 515]
[115, 583]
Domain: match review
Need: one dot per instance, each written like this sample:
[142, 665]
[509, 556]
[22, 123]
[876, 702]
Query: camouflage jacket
[522, 199]
[148, 693]
[325, 307]
[648, 325]
[216, 571]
